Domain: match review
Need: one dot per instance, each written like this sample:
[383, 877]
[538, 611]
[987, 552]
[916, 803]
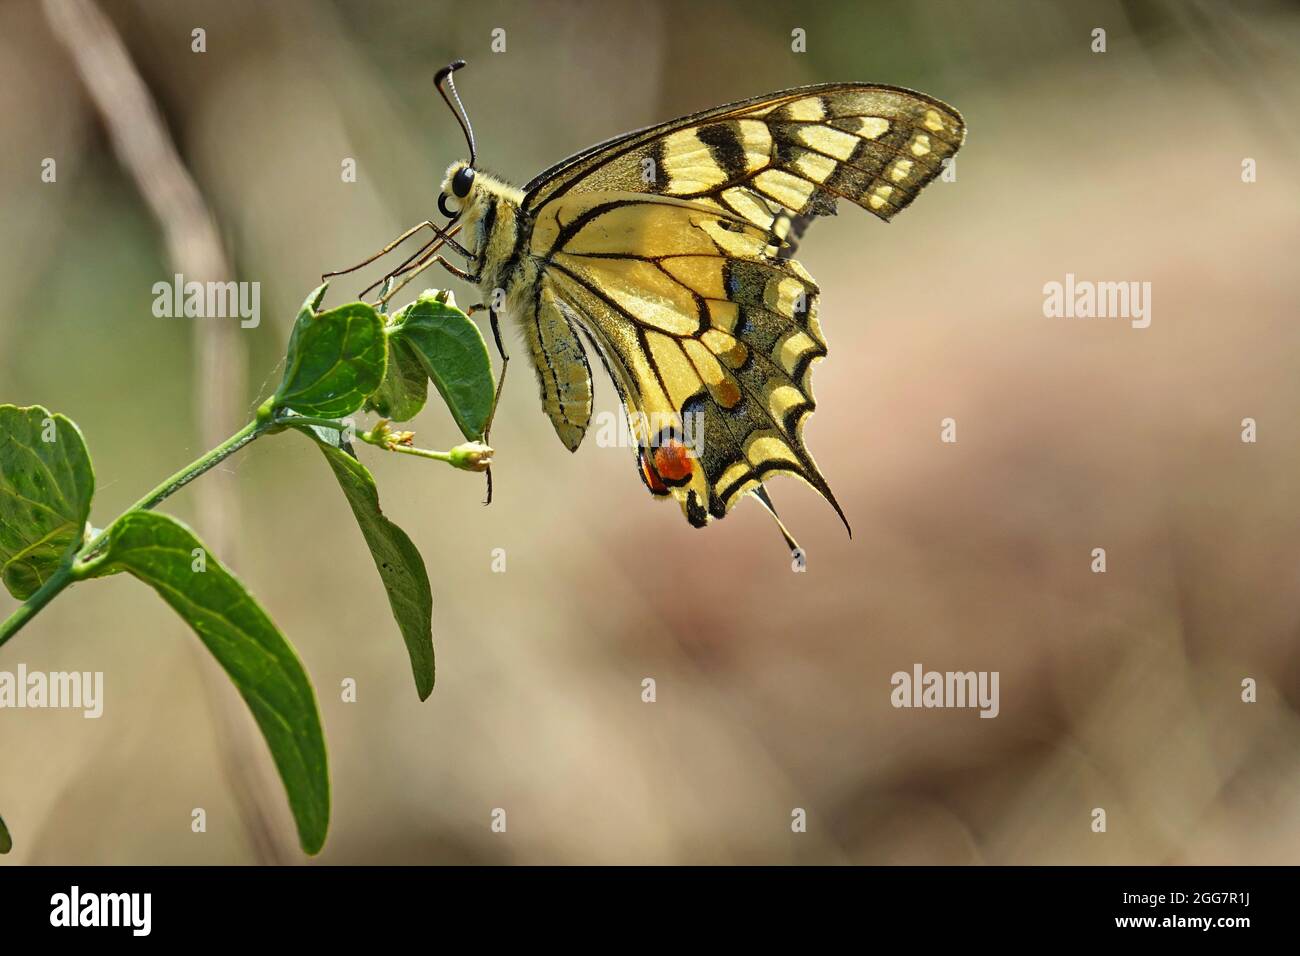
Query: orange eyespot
[672, 461]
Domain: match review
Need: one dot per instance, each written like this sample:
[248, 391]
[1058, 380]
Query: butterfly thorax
[493, 227]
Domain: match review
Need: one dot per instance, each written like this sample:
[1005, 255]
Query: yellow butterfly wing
[796, 150]
[668, 250]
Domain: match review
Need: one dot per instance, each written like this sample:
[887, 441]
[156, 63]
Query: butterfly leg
[456, 271]
[505, 361]
[421, 258]
[415, 268]
[501, 382]
[416, 260]
[382, 252]
[501, 379]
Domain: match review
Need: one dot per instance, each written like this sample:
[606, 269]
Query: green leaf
[335, 359]
[396, 558]
[163, 553]
[452, 351]
[46, 483]
[405, 387]
[6, 841]
[306, 315]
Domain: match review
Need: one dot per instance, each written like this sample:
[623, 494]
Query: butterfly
[668, 253]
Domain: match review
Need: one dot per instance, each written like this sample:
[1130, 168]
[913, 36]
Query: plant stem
[183, 477]
[191, 471]
[56, 582]
[418, 452]
[67, 572]
[370, 438]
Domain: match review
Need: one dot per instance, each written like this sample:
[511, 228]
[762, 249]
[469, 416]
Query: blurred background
[1119, 690]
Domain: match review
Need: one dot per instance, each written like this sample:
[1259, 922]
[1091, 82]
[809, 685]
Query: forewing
[774, 158]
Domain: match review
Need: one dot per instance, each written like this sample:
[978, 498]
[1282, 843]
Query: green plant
[339, 362]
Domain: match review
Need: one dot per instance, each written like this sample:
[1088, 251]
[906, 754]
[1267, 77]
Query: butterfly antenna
[443, 81]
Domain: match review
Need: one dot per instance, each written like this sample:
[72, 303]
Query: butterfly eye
[462, 181]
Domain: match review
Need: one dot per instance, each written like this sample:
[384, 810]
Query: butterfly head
[457, 189]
